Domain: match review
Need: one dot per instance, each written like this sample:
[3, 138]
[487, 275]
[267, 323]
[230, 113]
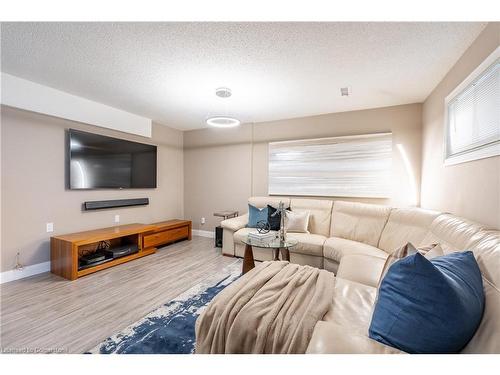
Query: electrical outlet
[117, 218]
[50, 227]
[203, 220]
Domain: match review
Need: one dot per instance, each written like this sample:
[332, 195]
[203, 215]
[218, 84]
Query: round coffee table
[275, 245]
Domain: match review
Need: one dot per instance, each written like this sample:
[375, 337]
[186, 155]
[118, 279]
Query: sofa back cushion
[261, 202]
[359, 221]
[451, 232]
[320, 214]
[457, 234]
[486, 247]
[406, 225]
[487, 337]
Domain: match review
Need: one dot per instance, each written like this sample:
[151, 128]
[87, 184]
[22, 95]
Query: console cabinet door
[170, 235]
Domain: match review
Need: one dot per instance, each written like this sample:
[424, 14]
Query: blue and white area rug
[170, 328]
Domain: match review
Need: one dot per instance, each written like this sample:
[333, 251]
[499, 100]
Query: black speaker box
[99, 205]
[218, 236]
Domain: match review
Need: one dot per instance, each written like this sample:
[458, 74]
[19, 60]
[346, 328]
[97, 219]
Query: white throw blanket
[271, 309]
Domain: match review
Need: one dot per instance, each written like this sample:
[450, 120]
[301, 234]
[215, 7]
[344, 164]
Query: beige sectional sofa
[336, 228]
[353, 240]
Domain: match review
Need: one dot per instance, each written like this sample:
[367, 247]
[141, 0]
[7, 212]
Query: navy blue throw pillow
[255, 215]
[429, 306]
[274, 221]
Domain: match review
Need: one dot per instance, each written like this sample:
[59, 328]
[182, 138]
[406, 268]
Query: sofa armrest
[332, 338]
[235, 223]
[363, 269]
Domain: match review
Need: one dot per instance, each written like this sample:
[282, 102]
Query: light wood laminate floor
[47, 312]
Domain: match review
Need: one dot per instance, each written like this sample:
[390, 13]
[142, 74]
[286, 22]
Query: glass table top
[271, 243]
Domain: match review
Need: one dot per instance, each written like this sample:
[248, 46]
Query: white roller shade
[353, 166]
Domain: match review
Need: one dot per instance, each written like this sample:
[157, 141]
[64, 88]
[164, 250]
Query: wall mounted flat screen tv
[100, 162]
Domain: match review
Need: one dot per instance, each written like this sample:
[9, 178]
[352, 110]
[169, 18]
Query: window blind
[473, 116]
[352, 166]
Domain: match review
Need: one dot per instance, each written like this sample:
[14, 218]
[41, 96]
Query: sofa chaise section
[358, 275]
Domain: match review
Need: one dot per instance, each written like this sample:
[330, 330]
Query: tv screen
[99, 162]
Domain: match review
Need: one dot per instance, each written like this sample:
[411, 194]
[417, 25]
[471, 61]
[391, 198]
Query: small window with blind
[473, 115]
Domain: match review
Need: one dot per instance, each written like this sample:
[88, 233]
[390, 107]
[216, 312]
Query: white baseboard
[203, 233]
[27, 271]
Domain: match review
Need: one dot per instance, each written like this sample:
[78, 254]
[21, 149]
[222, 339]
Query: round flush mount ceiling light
[223, 121]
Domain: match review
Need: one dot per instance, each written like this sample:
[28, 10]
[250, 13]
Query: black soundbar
[98, 205]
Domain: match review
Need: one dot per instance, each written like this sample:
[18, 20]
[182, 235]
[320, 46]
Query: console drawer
[155, 239]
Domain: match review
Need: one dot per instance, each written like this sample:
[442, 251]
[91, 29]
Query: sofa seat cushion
[363, 269]
[352, 305]
[335, 248]
[309, 244]
[333, 338]
[349, 316]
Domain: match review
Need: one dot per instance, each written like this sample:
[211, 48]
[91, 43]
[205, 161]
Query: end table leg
[285, 254]
[248, 262]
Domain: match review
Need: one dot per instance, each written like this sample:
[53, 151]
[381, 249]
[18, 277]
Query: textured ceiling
[168, 71]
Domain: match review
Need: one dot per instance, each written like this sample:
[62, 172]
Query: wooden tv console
[65, 250]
